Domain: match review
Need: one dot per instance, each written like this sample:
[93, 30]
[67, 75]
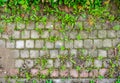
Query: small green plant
[11, 38]
[112, 69]
[42, 76]
[92, 81]
[44, 48]
[118, 80]
[72, 60]
[53, 38]
[49, 81]
[111, 18]
[100, 57]
[43, 62]
[63, 67]
[17, 29]
[116, 27]
[78, 68]
[63, 57]
[62, 48]
[28, 76]
[118, 46]
[34, 81]
[78, 37]
[17, 81]
[1, 30]
[65, 38]
[37, 61]
[80, 26]
[40, 31]
[18, 19]
[2, 2]
[84, 15]
[100, 77]
[43, 19]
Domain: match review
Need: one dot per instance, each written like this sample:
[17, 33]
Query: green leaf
[49, 81]
[116, 27]
[100, 77]
[34, 81]
[84, 15]
[63, 67]
[78, 37]
[80, 26]
[1, 30]
[78, 68]
[43, 76]
[21, 2]
[62, 48]
[4, 0]
[72, 61]
[27, 76]
[92, 81]
[100, 57]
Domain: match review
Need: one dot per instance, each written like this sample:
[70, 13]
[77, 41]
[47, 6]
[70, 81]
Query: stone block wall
[48, 50]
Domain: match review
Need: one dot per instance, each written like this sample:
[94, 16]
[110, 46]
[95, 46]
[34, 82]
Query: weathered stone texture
[24, 53]
[58, 44]
[16, 34]
[19, 63]
[34, 34]
[20, 44]
[69, 44]
[93, 34]
[54, 33]
[25, 34]
[98, 63]
[102, 34]
[29, 44]
[49, 63]
[55, 73]
[118, 33]
[49, 45]
[107, 43]
[49, 25]
[98, 43]
[15, 53]
[57, 63]
[83, 34]
[111, 34]
[73, 52]
[73, 34]
[39, 43]
[63, 52]
[10, 44]
[74, 73]
[45, 34]
[30, 25]
[34, 53]
[102, 53]
[29, 63]
[53, 53]
[78, 44]
[43, 53]
[88, 43]
[20, 25]
[69, 64]
[93, 52]
[2, 43]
